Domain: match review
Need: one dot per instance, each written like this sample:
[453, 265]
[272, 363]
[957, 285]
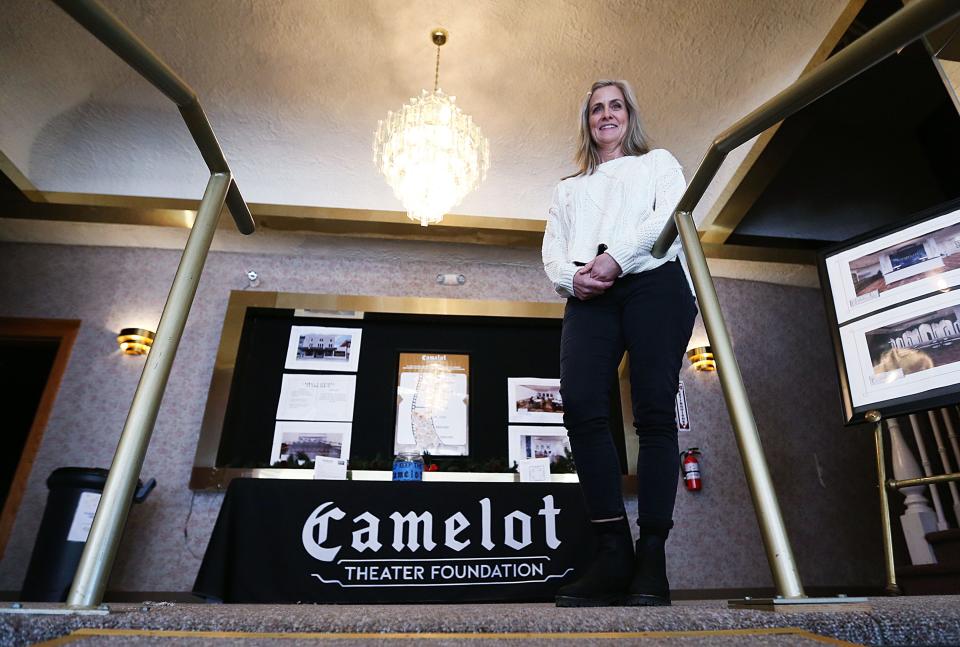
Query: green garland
[563, 465]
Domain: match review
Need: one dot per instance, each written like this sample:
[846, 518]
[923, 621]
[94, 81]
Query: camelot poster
[432, 403]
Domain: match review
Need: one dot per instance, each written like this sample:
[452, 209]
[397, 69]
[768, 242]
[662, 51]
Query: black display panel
[498, 347]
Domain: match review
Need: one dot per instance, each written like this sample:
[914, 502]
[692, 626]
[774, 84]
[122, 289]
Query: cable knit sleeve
[555, 237]
[632, 252]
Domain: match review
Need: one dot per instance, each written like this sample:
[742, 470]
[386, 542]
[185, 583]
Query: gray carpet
[932, 620]
[791, 639]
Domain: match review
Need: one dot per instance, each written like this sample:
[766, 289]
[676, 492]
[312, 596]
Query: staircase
[935, 579]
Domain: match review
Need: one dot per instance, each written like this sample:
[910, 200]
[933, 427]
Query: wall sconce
[701, 358]
[135, 341]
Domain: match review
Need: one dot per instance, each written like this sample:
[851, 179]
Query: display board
[358, 385]
[894, 311]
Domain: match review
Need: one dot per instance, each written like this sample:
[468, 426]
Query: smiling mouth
[608, 126]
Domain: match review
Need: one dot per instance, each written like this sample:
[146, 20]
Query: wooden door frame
[64, 331]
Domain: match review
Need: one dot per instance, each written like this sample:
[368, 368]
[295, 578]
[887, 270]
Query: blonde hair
[587, 155]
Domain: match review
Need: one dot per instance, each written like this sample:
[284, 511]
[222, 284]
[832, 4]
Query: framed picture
[532, 441]
[433, 400]
[295, 440]
[322, 348]
[895, 267]
[534, 400]
[893, 304]
[908, 350]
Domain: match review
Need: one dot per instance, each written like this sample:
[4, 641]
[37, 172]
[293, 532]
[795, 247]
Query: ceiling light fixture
[431, 154]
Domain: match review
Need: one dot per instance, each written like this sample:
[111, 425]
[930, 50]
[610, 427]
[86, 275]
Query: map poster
[433, 403]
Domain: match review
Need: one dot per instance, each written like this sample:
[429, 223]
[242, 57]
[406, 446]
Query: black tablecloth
[285, 541]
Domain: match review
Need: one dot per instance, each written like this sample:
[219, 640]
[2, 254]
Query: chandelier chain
[436, 72]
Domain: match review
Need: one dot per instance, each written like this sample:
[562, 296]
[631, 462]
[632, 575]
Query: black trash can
[74, 496]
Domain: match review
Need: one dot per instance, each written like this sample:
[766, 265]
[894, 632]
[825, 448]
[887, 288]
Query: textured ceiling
[294, 89]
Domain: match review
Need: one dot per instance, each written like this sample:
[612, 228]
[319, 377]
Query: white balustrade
[951, 434]
[945, 459]
[918, 519]
[928, 471]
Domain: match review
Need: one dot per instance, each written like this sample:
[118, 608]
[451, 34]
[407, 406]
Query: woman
[597, 246]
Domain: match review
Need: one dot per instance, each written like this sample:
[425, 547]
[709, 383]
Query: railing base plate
[52, 609]
[803, 605]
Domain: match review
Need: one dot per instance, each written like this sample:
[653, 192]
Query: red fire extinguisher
[690, 463]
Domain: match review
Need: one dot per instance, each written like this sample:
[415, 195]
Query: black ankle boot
[649, 587]
[605, 580]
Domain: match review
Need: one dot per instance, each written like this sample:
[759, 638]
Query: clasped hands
[596, 277]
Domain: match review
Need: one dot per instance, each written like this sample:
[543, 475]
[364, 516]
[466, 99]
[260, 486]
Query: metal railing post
[887, 530]
[908, 24]
[100, 550]
[774, 533]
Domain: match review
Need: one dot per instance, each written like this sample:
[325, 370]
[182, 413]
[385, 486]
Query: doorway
[33, 357]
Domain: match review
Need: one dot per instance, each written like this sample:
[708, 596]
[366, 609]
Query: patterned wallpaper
[825, 485]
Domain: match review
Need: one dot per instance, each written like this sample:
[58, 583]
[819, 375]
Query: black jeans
[651, 316]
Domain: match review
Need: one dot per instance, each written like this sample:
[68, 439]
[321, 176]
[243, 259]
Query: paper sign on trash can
[83, 517]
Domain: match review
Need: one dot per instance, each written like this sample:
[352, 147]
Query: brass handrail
[891, 35]
[886, 534]
[108, 29]
[100, 550]
[894, 484]
[908, 24]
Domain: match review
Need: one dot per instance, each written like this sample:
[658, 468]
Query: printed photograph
[299, 443]
[906, 262]
[551, 447]
[312, 445]
[318, 348]
[539, 442]
[534, 400]
[315, 347]
[892, 269]
[916, 344]
[902, 354]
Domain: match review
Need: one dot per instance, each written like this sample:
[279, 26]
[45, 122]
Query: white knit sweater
[624, 205]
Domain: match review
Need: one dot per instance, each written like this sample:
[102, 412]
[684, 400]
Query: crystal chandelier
[431, 154]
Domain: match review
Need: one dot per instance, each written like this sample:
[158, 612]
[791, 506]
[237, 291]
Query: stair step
[929, 579]
[946, 545]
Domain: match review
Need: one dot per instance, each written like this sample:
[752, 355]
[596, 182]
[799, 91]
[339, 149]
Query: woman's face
[608, 116]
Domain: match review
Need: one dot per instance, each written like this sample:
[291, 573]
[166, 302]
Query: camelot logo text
[391, 563]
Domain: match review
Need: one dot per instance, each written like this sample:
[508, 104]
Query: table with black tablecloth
[287, 541]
